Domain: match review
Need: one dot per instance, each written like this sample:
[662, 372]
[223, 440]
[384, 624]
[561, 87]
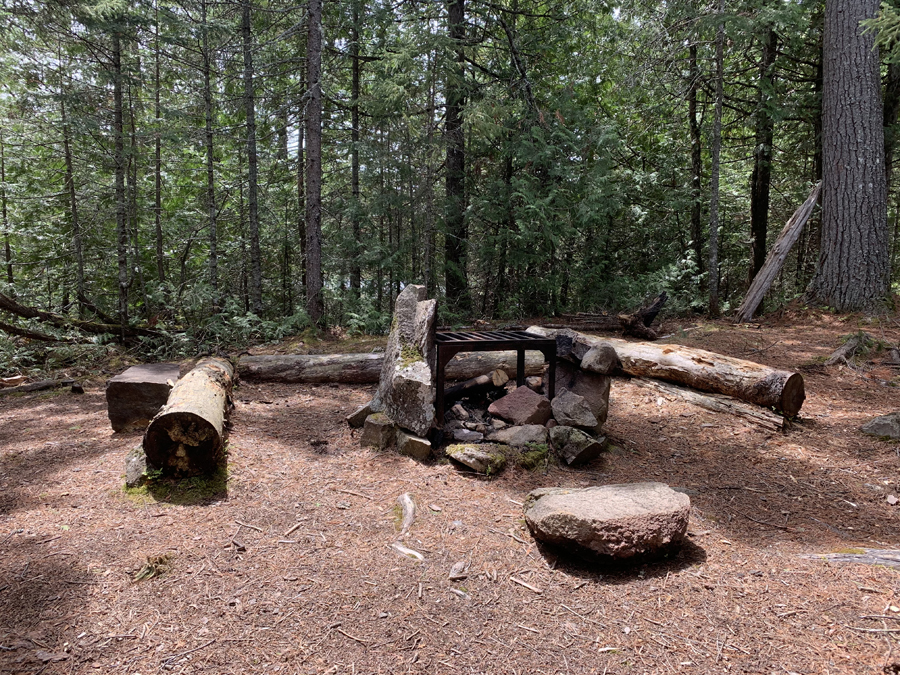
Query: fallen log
[186, 438]
[854, 343]
[717, 403]
[41, 385]
[699, 369]
[634, 325]
[775, 260]
[482, 383]
[366, 368]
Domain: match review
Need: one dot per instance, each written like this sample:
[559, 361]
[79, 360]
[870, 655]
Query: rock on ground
[574, 446]
[886, 426]
[522, 406]
[593, 387]
[487, 459]
[520, 436]
[601, 359]
[413, 446]
[379, 432]
[134, 396]
[406, 389]
[570, 409]
[358, 417]
[618, 521]
[135, 467]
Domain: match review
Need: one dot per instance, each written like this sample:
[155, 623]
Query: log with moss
[186, 438]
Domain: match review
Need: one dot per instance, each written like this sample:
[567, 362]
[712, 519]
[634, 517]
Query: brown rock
[379, 432]
[522, 406]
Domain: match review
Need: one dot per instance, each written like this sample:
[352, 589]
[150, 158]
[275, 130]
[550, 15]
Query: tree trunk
[366, 368]
[315, 304]
[210, 160]
[853, 269]
[252, 170]
[301, 191]
[157, 168]
[762, 156]
[703, 370]
[696, 159]
[714, 170]
[455, 234]
[777, 256]
[119, 158]
[77, 246]
[186, 438]
[356, 213]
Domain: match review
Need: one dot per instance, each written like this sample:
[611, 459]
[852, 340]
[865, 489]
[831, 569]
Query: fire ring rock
[615, 521]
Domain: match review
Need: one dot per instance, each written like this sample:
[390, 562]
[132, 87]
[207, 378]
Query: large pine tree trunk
[696, 159]
[455, 235]
[157, 168]
[252, 169]
[77, 244]
[121, 207]
[7, 249]
[210, 159]
[356, 214]
[762, 156]
[315, 305]
[853, 268]
[714, 170]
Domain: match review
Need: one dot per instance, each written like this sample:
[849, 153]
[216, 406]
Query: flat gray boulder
[520, 436]
[615, 521]
[886, 426]
[574, 446]
[134, 396]
[487, 459]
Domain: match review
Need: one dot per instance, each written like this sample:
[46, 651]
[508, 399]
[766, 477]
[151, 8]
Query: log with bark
[186, 438]
[717, 403]
[41, 385]
[775, 260]
[697, 368]
[476, 385]
[366, 368]
[854, 343]
[636, 324]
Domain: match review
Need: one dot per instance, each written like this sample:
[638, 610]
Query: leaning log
[366, 368]
[186, 438]
[476, 385]
[41, 385]
[776, 258]
[699, 369]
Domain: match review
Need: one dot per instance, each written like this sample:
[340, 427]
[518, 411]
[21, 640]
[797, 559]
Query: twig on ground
[251, 527]
[526, 585]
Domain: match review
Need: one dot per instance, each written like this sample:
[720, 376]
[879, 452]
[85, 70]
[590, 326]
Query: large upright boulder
[407, 387]
[593, 387]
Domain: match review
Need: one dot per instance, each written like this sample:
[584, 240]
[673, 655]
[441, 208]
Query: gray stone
[487, 459]
[522, 406]
[520, 436]
[574, 446]
[133, 397]
[886, 426]
[466, 436]
[602, 359]
[572, 410]
[618, 521]
[459, 412]
[406, 388]
[412, 445]
[379, 432]
[498, 424]
[593, 387]
[135, 467]
[357, 418]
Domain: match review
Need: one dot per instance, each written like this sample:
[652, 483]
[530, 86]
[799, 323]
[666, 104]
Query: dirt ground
[284, 565]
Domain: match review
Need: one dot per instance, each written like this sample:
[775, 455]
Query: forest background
[190, 173]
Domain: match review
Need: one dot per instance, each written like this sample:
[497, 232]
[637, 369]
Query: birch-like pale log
[186, 438]
[699, 369]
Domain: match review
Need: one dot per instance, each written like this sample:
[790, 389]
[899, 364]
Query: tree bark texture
[119, 158]
[455, 234]
[702, 370]
[210, 158]
[252, 164]
[696, 159]
[186, 438]
[356, 214]
[366, 368]
[315, 303]
[762, 155]
[777, 256]
[714, 169]
[157, 166]
[853, 269]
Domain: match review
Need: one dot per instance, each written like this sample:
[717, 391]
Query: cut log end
[793, 394]
[183, 444]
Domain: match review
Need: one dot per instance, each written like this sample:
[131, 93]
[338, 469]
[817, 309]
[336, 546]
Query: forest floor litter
[292, 560]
